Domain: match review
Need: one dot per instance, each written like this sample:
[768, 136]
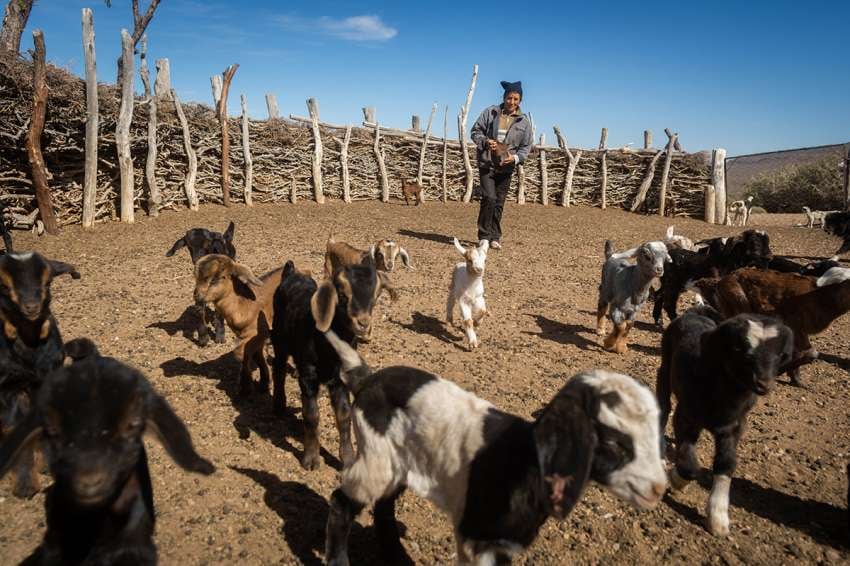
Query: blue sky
[747, 76]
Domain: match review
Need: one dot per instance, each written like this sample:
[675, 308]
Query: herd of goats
[87, 413]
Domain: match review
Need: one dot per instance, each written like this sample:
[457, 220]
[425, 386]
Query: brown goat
[246, 304]
[498, 155]
[412, 189]
[384, 252]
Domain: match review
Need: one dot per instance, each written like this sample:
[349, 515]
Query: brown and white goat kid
[467, 289]
[412, 190]
[383, 252]
[245, 303]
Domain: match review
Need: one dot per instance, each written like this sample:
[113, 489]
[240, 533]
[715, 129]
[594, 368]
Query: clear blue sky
[747, 76]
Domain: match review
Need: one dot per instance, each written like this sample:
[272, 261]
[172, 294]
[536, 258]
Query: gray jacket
[518, 139]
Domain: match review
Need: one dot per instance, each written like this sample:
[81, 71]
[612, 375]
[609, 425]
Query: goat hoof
[24, 490]
[220, 339]
[310, 462]
[203, 340]
[719, 525]
[677, 482]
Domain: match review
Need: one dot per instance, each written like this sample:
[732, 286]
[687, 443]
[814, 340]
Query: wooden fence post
[122, 129]
[572, 162]
[665, 173]
[92, 117]
[604, 179]
[847, 176]
[248, 161]
[192, 172]
[520, 190]
[603, 139]
[718, 179]
[544, 173]
[293, 196]
[464, 114]
[271, 105]
[415, 123]
[709, 204]
[343, 158]
[647, 139]
[227, 77]
[445, 153]
[676, 145]
[425, 147]
[162, 84]
[369, 114]
[647, 181]
[215, 85]
[155, 198]
[318, 150]
[382, 166]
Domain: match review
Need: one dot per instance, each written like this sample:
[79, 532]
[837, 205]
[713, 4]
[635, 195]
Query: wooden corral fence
[177, 151]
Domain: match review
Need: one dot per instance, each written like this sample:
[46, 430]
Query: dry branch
[36, 157]
[318, 150]
[221, 105]
[464, 115]
[665, 174]
[271, 105]
[90, 179]
[248, 162]
[150, 164]
[122, 130]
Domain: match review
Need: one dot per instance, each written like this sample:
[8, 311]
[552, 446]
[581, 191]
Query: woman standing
[505, 124]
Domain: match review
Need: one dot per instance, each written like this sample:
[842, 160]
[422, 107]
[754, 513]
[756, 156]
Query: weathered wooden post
[382, 166]
[343, 158]
[709, 204]
[544, 173]
[215, 85]
[92, 117]
[318, 150]
[603, 139]
[520, 179]
[572, 162]
[665, 174]
[415, 124]
[603, 164]
[718, 179]
[445, 153]
[122, 129]
[369, 114]
[221, 107]
[464, 114]
[847, 176]
[271, 105]
[162, 85]
[425, 147]
[293, 196]
[647, 181]
[192, 172]
[676, 145]
[155, 198]
[647, 139]
[248, 161]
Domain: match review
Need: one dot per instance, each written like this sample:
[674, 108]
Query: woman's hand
[491, 144]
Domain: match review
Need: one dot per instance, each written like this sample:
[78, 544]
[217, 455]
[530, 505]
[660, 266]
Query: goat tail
[354, 369]
[609, 249]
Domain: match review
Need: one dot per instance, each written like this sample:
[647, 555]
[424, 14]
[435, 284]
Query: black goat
[30, 343]
[812, 269]
[838, 224]
[717, 370]
[91, 416]
[302, 311]
[719, 257]
[201, 242]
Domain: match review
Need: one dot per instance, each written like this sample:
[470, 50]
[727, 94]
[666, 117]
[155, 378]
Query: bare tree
[14, 21]
[140, 24]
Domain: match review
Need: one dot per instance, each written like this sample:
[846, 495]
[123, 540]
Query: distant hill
[740, 169]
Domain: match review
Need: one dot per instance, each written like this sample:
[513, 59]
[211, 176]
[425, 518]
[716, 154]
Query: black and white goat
[90, 417]
[201, 242]
[716, 370]
[343, 302]
[497, 476]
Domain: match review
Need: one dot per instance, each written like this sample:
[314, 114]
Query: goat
[412, 189]
[624, 289]
[677, 241]
[498, 156]
[719, 257]
[497, 476]
[838, 224]
[816, 216]
[91, 416]
[739, 213]
[201, 242]
[384, 252]
[813, 269]
[467, 289]
[343, 302]
[245, 303]
[30, 343]
[717, 371]
[4, 230]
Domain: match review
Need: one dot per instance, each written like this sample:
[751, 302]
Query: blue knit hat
[512, 87]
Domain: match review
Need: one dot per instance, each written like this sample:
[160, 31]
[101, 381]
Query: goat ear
[459, 248]
[385, 284]
[228, 234]
[245, 275]
[174, 436]
[373, 249]
[323, 305]
[21, 437]
[80, 348]
[670, 231]
[60, 268]
[405, 258]
[181, 243]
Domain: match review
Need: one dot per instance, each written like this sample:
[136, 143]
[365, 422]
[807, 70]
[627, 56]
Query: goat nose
[659, 488]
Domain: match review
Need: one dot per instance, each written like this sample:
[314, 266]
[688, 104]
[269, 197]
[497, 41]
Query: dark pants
[494, 189]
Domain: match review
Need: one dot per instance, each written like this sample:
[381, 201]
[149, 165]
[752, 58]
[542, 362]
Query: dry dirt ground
[260, 507]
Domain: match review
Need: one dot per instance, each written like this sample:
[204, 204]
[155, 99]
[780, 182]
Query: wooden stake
[425, 147]
[382, 167]
[248, 161]
[369, 114]
[647, 139]
[464, 114]
[122, 129]
[604, 181]
[603, 139]
[709, 204]
[343, 158]
[520, 191]
[216, 85]
[445, 153]
[92, 117]
[33, 143]
[665, 174]
[271, 105]
[155, 198]
[162, 86]
[718, 179]
[847, 176]
[676, 145]
[544, 173]
[647, 181]
[572, 161]
[227, 77]
[318, 150]
[415, 124]
[192, 172]
[293, 196]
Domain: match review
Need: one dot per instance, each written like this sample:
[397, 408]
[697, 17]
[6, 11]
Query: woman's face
[512, 101]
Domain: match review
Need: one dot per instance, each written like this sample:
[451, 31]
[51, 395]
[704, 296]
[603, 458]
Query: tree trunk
[445, 154]
[318, 151]
[544, 173]
[709, 204]
[140, 24]
[227, 77]
[464, 115]
[271, 105]
[92, 117]
[192, 172]
[248, 162]
[150, 164]
[14, 22]
[425, 147]
[568, 182]
[36, 159]
[343, 159]
[122, 130]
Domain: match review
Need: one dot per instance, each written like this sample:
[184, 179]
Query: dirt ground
[260, 507]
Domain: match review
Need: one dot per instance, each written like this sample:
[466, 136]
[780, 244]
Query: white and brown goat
[384, 253]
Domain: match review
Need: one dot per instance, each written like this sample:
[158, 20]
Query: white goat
[677, 241]
[739, 212]
[815, 216]
[467, 289]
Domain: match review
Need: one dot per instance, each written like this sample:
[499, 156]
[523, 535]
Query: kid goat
[467, 289]
[497, 476]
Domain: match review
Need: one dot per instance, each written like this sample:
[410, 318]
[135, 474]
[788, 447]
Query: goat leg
[386, 526]
[342, 412]
[342, 512]
[310, 413]
[26, 479]
[218, 323]
[278, 379]
[259, 356]
[616, 341]
[203, 331]
[725, 459]
[686, 464]
[601, 311]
